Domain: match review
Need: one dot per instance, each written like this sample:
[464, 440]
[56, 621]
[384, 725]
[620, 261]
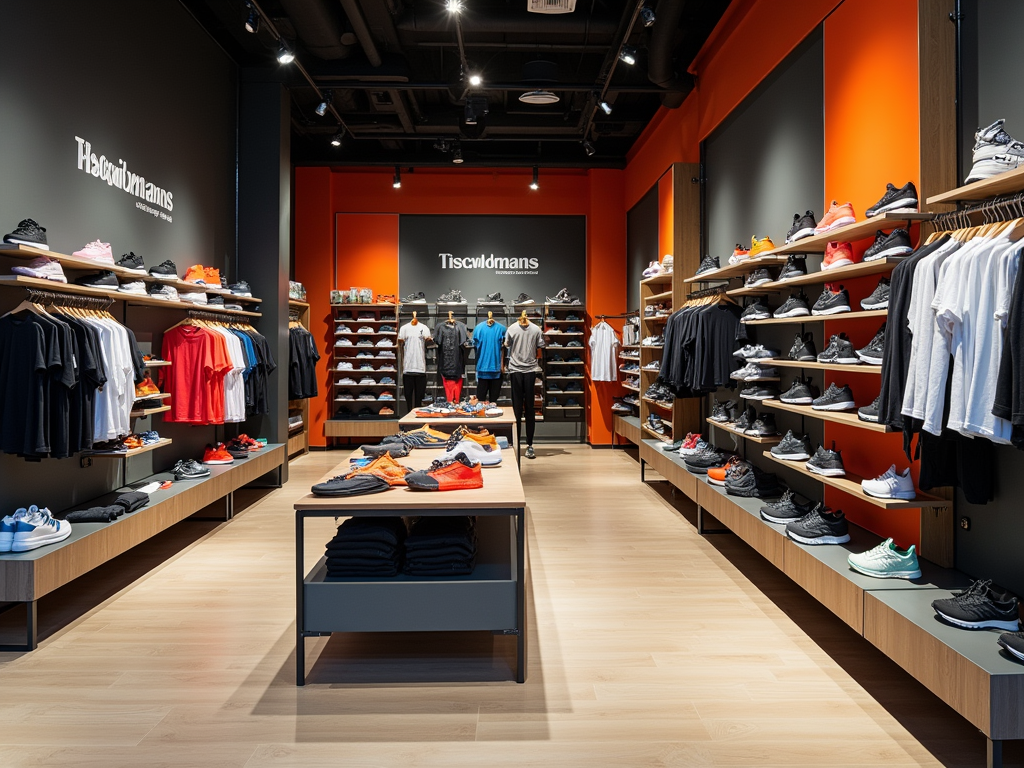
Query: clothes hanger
[523, 319]
[490, 317]
[29, 306]
[414, 321]
[451, 318]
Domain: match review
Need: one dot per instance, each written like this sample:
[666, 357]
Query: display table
[492, 598]
[498, 425]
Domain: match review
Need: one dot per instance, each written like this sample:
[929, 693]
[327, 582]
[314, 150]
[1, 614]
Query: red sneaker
[838, 255]
[218, 455]
[454, 474]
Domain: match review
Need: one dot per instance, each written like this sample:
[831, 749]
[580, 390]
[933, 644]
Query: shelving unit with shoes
[565, 368]
[657, 404]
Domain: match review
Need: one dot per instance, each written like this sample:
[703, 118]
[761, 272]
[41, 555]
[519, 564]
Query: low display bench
[498, 425]
[492, 598]
[27, 576]
[627, 427]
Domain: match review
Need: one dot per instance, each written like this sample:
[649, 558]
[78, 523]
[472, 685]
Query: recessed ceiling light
[539, 97]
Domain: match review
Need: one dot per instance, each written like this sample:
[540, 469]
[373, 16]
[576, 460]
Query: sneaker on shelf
[742, 352]
[887, 561]
[146, 387]
[839, 350]
[995, 152]
[745, 419]
[980, 606]
[785, 510]
[760, 392]
[757, 247]
[879, 298]
[832, 301]
[869, 412]
[795, 266]
[760, 352]
[874, 352]
[717, 475]
[837, 216]
[820, 526]
[834, 399]
[492, 299]
[827, 462]
[97, 252]
[136, 287]
[669, 446]
[132, 263]
[189, 469]
[891, 485]
[739, 254]
[28, 233]
[756, 310]
[7, 526]
[104, 279]
[838, 255]
[794, 306]
[692, 443]
[214, 300]
[758, 277]
[763, 426]
[708, 264]
[803, 348]
[895, 199]
[700, 463]
[211, 276]
[803, 226]
[415, 298]
[165, 269]
[452, 297]
[193, 297]
[667, 262]
[792, 448]
[723, 412]
[653, 269]
[456, 473]
[42, 268]
[38, 529]
[1012, 643]
[523, 298]
[799, 393]
[753, 482]
[241, 288]
[896, 243]
[217, 455]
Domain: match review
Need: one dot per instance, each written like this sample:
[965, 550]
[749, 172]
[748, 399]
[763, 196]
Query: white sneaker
[42, 267]
[7, 526]
[995, 152]
[667, 262]
[890, 485]
[98, 252]
[193, 297]
[475, 452]
[654, 268]
[133, 286]
[887, 562]
[38, 530]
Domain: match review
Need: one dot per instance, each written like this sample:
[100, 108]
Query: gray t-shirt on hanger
[522, 343]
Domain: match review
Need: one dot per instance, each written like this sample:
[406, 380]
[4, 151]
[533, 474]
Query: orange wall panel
[666, 215]
[367, 252]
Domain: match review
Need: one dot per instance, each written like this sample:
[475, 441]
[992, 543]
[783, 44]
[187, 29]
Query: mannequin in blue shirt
[489, 341]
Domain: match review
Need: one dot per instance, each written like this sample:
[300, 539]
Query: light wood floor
[649, 646]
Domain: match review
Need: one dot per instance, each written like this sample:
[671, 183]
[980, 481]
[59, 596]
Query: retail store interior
[549, 383]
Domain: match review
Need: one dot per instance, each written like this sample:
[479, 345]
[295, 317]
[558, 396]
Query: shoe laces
[974, 593]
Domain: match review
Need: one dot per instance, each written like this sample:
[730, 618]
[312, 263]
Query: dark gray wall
[641, 243]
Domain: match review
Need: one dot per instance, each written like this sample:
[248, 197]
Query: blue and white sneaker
[7, 526]
[38, 530]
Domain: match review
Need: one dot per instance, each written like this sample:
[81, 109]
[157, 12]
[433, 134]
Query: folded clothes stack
[441, 546]
[126, 502]
[366, 546]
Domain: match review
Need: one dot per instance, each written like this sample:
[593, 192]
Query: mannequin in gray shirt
[523, 341]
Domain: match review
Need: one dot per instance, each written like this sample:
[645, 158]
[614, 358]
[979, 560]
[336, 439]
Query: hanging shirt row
[302, 360]
[700, 338]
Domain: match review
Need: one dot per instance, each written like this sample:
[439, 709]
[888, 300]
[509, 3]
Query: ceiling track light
[252, 21]
[535, 184]
[475, 80]
[647, 16]
[284, 54]
[605, 107]
[627, 55]
[453, 6]
[325, 103]
[336, 138]
[589, 148]
[457, 154]
[397, 183]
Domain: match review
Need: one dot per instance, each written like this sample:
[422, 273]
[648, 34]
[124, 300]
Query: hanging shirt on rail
[604, 350]
[451, 357]
[488, 339]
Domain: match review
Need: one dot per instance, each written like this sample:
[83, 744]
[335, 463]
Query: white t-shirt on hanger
[414, 339]
[604, 347]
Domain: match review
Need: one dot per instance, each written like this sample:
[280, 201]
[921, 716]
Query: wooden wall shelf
[859, 230]
[1003, 184]
[752, 438]
[859, 315]
[849, 418]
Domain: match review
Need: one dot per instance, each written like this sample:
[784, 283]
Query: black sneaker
[1013, 643]
[356, 486]
[166, 292]
[839, 350]
[980, 606]
[796, 266]
[415, 298]
[902, 199]
[820, 526]
[874, 351]
[896, 243]
[785, 510]
[452, 297]
[720, 411]
[490, 298]
[794, 306]
[803, 226]
[241, 288]
[753, 482]
[708, 264]
[700, 463]
[758, 277]
[792, 448]
[758, 310]
[869, 412]
[189, 469]
[827, 462]
[832, 302]
[763, 426]
[104, 279]
[215, 300]
[879, 298]
[803, 348]
[799, 393]
[28, 233]
[132, 263]
[165, 269]
[522, 298]
[835, 399]
[760, 392]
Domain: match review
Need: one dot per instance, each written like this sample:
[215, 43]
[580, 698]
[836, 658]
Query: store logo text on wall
[118, 175]
[500, 265]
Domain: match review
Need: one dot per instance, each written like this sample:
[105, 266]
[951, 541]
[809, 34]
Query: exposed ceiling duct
[660, 65]
[318, 27]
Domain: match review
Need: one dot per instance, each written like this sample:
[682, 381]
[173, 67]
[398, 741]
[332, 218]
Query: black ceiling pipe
[318, 28]
[510, 23]
[660, 66]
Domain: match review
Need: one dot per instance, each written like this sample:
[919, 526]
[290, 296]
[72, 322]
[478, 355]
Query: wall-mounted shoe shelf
[819, 318]
[1003, 184]
[162, 442]
[859, 230]
[856, 368]
[732, 270]
[849, 418]
[770, 440]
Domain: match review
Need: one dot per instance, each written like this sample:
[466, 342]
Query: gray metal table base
[31, 628]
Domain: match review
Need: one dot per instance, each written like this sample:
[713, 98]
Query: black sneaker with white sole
[896, 199]
[785, 510]
[758, 310]
[753, 482]
[104, 279]
[522, 298]
[28, 233]
[796, 266]
[879, 298]
[820, 526]
[827, 462]
[873, 353]
[164, 269]
[834, 399]
[708, 264]
[132, 263]
[869, 412]
[980, 606]
[794, 306]
[745, 419]
[758, 277]
[241, 288]
[700, 463]
[189, 469]
[803, 226]
[454, 297]
[760, 352]
[490, 298]
[763, 426]
[415, 298]
[1013, 643]
[759, 392]
[896, 243]
[803, 348]
[832, 302]
[799, 393]
[792, 448]
[839, 350]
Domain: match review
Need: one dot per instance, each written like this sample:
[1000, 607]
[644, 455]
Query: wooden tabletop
[503, 487]
[506, 419]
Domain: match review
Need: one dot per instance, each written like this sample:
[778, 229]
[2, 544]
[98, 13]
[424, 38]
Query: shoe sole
[896, 250]
[886, 574]
[799, 312]
[792, 456]
[870, 360]
[902, 495]
[778, 520]
[840, 360]
[833, 311]
[16, 241]
[797, 400]
[757, 397]
[6, 541]
[1006, 646]
[826, 472]
[756, 283]
[868, 419]
[904, 204]
[133, 271]
[219, 461]
[37, 275]
[791, 277]
[841, 222]
[191, 477]
[819, 540]
[1009, 625]
[23, 545]
[800, 235]
[834, 406]
[836, 264]
[869, 307]
[748, 318]
[713, 481]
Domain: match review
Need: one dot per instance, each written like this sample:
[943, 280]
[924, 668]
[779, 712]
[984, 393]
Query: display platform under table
[498, 425]
[492, 598]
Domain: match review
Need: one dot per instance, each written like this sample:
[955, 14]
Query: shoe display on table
[415, 298]
[244, 441]
[453, 474]
[132, 263]
[995, 152]
[794, 306]
[803, 226]
[161, 291]
[739, 253]
[800, 392]
[896, 243]
[896, 199]
[708, 264]
[980, 606]
[757, 247]
[105, 279]
[891, 485]
[217, 455]
[757, 310]
[835, 398]
[869, 412]
[758, 277]
[795, 266]
[879, 298]
[839, 350]
[745, 419]
[820, 526]
[653, 269]
[751, 481]
[887, 561]
[34, 528]
[832, 301]
[692, 443]
[452, 297]
[803, 348]
[359, 485]
[668, 446]
[763, 426]
[1012, 643]
[837, 216]
[166, 269]
[7, 526]
[760, 392]
[838, 255]
[135, 287]
[385, 467]
[189, 469]
[42, 268]
[827, 462]
[485, 455]
[700, 463]
[424, 437]
[792, 448]
[874, 352]
[786, 509]
[28, 233]
[717, 475]
[97, 252]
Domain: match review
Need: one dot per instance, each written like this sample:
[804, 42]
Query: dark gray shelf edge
[633, 421]
[80, 531]
[492, 573]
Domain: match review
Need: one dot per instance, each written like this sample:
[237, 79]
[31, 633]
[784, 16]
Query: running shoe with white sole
[43, 268]
[980, 606]
[896, 243]
[891, 485]
[820, 526]
[887, 561]
[895, 199]
[827, 462]
[38, 529]
[834, 399]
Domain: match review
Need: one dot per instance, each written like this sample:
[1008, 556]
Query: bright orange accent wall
[666, 215]
[367, 252]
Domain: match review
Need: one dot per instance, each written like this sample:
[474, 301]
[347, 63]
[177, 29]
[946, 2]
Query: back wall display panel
[479, 255]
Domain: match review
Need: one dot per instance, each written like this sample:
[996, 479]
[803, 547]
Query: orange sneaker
[218, 455]
[461, 433]
[837, 216]
[385, 468]
[146, 387]
[838, 255]
[212, 276]
[195, 274]
[757, 247]
[385, 411]
[739, 253]
[455, 474]
[132, 441]
[716, 475]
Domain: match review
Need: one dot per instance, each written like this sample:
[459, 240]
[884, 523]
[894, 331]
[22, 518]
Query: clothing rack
[216, 317]
[56, 298]
[634, 313]
[707, 292]
[1001, 208]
